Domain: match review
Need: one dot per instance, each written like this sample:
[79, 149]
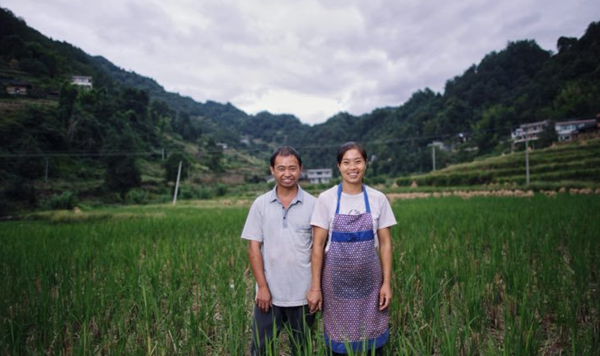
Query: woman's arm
[314, 296]
[385, 251]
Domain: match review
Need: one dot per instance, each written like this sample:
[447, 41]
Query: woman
[349, 279]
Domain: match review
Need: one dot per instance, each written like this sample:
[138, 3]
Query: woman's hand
[385, 295]
[315, 300]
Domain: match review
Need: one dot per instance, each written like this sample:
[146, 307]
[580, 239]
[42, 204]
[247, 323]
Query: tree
[548, 136]
[565, 44]
[172, 166]
[494, 124]
[212, 155]
[122, 172]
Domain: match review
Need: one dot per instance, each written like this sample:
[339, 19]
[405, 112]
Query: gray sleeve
[253, 227]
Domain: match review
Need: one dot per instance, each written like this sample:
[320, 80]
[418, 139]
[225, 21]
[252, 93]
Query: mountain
[474, 115]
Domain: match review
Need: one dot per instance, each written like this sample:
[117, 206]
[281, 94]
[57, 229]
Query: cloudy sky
[310, 58]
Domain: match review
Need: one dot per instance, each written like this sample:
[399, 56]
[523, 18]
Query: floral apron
[351, 281]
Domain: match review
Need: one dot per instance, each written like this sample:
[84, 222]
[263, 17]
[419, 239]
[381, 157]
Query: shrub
[64, 201]
[221, 189]
[137, 196]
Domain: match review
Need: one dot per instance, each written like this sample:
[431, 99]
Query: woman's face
[353, 166]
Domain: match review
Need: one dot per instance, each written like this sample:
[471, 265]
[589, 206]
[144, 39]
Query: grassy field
[479, 276]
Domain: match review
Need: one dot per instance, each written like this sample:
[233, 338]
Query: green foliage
[172, 166]
[65, 201]
[548, 136]
[122, 173]
[570, 164]
[484, 276]
[137, 196]
[518, 84]
[221, 189]
[213, 155]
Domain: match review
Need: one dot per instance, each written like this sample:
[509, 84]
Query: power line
[79, 154]
[250, 149]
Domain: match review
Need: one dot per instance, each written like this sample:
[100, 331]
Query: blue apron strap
[339, 197]
[367, 206]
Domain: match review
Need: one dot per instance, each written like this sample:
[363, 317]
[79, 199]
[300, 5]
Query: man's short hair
[285, 151]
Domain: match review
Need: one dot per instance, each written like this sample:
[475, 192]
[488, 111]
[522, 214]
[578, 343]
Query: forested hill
[474, 115]
[518, 84]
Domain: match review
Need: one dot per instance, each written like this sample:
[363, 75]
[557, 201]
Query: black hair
[350, 146]
[285, 151]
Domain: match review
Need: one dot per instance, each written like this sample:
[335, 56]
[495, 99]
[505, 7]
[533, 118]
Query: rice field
[478, 276]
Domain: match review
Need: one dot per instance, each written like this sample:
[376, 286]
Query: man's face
[286, 171]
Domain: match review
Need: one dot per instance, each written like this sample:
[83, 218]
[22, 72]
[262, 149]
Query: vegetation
[566, 165]
[68, 134]
[483, 276]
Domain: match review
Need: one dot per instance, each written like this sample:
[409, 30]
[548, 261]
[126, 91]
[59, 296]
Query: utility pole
[163, 154]
[46, 175]
[177, 183]
[527, 159]
[433, 155]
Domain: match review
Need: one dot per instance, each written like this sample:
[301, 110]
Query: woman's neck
[352, 188]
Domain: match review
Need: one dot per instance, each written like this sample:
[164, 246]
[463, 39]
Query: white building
[81, 81]
[529, 132]
[568, 130]
[321, 175]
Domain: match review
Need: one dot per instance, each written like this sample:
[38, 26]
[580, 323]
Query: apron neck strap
[339, 198]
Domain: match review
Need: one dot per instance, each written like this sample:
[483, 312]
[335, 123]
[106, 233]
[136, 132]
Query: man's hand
[315, 300]
[385, 294]
[263, 299]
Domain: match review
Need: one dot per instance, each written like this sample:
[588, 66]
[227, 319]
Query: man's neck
[286, 195]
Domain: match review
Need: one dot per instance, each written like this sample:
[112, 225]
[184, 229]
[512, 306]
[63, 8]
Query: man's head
[286, 166]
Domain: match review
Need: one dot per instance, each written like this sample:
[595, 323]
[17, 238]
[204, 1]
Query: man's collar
[299, 195]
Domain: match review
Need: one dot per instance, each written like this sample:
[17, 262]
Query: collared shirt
[286, 237]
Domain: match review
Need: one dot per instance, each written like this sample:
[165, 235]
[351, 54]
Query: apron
[351, 281]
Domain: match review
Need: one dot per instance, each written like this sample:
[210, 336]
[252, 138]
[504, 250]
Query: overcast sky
[310, 58]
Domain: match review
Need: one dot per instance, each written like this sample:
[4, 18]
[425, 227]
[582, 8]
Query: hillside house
[321, 175]
[529, 132]
[18, 88]
[568, 130]
[82, 81]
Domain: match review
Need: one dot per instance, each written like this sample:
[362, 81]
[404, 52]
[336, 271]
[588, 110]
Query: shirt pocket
[303, 237]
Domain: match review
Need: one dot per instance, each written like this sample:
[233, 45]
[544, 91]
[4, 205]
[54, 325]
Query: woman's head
[352, 162]
[349, 146]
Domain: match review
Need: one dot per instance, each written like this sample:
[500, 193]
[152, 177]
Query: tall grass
[483, 276]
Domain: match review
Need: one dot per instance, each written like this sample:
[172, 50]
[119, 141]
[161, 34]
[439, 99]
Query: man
[280, 240]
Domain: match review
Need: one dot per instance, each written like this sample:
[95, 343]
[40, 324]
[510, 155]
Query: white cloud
[311, 58]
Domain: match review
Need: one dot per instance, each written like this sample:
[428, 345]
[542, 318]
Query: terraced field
[574, 165]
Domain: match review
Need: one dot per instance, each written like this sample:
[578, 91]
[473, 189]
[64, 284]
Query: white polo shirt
[286, 237]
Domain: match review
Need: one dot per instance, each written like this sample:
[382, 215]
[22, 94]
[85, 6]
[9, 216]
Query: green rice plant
[483, 276]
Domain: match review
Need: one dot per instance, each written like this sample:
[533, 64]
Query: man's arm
[263, 296]
[314, 296]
